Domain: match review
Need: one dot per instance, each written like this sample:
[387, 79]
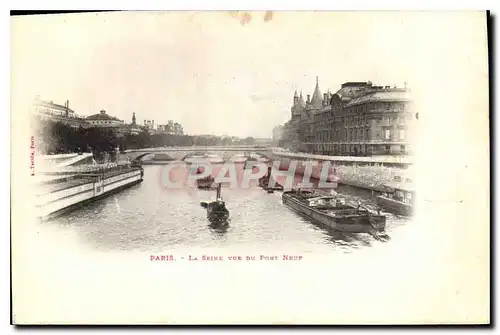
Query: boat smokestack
[218, 191]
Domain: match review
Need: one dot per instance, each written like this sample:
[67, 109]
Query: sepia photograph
[250, 167]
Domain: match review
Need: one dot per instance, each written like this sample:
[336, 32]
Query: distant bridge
[181, 153]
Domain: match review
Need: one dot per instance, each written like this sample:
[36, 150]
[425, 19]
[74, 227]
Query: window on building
[403, 149]
[387, 134]
[401, 134]
[388, 149]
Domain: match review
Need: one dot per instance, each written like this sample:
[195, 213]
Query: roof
[348, 92]
[356, 84]
[324, 109]
[383, 95]
[317, 98]
[405, 186]
[102, 116]
[302, 103]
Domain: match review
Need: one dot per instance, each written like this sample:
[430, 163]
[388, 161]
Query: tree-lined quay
[57, 138]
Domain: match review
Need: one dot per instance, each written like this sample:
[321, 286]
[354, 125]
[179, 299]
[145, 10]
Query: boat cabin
[402, 191]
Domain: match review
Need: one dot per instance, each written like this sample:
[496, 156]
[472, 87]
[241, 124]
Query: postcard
[261, 167]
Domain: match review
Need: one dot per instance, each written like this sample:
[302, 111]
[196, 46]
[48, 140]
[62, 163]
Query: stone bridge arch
[200, 153]
[182, 153]
[137, 156]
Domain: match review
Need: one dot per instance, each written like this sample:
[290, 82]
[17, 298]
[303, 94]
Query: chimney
[67, 108]
[308, 98]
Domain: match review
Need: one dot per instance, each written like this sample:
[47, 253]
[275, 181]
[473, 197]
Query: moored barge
[399, 199]
[67, 192]
[333, 212]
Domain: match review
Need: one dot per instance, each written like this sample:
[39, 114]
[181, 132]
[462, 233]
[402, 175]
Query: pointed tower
[295, 98]
[133, 118]
[317, 98]
[301, 101]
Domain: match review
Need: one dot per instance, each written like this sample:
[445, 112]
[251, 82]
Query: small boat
[268, 184]
[217, 213]
[206, 182]
[333, 212]
[399, 199]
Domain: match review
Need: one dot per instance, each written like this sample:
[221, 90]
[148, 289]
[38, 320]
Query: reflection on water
[219, 228]
[148, 217]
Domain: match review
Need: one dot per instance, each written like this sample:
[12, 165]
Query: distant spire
[295, 98]
[317, 98]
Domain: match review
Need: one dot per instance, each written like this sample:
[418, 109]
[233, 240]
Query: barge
[333, 212]
[68, 192]
[399, 199]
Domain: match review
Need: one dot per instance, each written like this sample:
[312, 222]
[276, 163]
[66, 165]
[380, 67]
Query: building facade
[360, 119]
[171, 128]
[103, 120]
[48, 110]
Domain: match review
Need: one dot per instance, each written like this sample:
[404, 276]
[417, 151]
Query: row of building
[171, 127]
[63, 113]
[360, 119]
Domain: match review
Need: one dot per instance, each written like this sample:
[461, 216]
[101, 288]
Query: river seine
[148, 217]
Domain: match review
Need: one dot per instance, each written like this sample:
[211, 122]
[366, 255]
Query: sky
[223, 73]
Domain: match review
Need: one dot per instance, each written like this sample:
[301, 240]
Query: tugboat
[217, 212]
[206, 182]
[333, 212]
[266, 181]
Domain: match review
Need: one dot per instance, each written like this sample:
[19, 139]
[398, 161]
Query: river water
[148, 217]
